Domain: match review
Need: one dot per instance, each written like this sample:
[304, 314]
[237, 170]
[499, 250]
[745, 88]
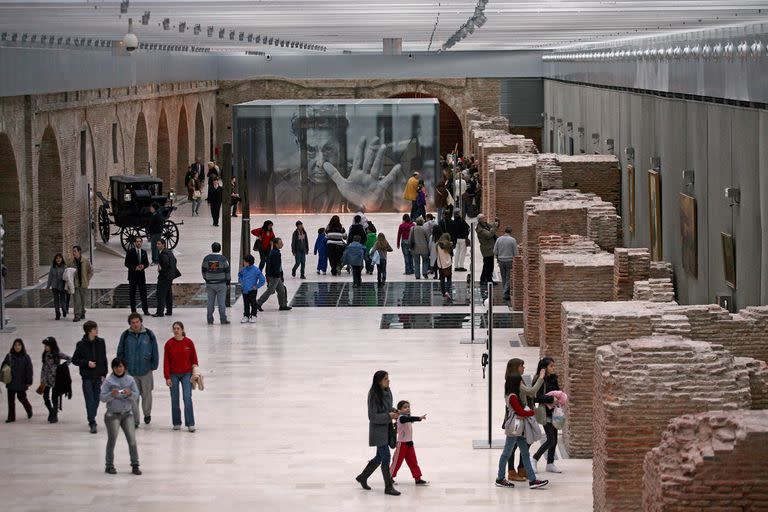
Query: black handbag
[392, 435]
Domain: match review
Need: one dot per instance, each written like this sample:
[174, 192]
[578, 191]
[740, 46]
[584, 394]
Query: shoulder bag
[392, 434]
[6, 373]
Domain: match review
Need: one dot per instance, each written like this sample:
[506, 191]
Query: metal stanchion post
[471, 284]
[487, 361]
[4, 325]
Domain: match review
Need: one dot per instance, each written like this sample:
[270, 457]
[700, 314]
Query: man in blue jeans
[91, 357]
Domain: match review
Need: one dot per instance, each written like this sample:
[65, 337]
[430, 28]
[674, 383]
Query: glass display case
[316, 156]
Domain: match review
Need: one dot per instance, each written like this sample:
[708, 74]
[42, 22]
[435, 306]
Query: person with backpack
[91, 357]
[51, 359]
[216, 274]
[17, 376]
[138, 348]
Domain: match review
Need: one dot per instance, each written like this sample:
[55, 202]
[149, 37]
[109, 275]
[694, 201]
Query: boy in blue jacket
[251, 279]
[354, 256]
[321, 251]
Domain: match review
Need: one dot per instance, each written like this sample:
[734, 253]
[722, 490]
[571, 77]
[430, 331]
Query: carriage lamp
[172, 196]
[127, 196]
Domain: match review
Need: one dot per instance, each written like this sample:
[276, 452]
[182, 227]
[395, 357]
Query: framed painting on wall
[689, 234]
[729, 259]
[654, 214]
[631, 198]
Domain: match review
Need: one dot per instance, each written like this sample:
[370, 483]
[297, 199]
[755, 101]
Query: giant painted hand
[365, 185]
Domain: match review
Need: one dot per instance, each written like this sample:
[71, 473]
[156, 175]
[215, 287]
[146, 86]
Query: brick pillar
[630, 265]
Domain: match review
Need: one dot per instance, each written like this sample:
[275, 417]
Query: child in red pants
[405, 449]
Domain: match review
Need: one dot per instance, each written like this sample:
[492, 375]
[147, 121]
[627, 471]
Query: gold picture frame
[729, 259]
[631, 198]
[654, 214]
[689, 234]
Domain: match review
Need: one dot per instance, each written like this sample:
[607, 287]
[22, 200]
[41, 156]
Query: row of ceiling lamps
[477, 20]
[82, 42]
[715, 51]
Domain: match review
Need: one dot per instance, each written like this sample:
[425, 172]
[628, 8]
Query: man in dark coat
[136, 262]
[167, 272]
[91, 357]
[199, 170]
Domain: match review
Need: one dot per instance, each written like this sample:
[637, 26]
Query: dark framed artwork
[729, 259]
[654, 214]
[689, 234]
[631, 197]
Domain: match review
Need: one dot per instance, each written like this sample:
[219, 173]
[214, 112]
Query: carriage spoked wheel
[104, 224]
[127, 236]
[171, 234]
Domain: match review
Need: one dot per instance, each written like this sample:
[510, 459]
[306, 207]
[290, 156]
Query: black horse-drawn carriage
[131, 197]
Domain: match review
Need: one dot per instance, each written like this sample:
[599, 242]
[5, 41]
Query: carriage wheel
[171, 234]
[127, 236]
[104, 224]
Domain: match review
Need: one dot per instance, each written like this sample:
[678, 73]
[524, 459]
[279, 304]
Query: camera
[130, 41]
[268, 57]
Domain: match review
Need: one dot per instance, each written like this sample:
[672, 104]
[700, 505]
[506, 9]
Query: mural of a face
[322, 147]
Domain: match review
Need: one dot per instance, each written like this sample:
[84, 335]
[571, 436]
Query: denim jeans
[424, 265]
[301, 261]
[60, 301]
[381, 271]
[524, 457]
[114, 421]
[357, 271]
[91, 391]
[217, 295]
[382, 455]
[407, 257]
[505, 267]
[186, 389]
[196, 206]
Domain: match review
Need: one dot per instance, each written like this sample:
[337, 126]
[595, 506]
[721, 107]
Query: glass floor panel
[185, 295]
[392, 294]
[449, 321]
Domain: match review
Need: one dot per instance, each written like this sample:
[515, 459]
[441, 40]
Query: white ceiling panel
[360, 25]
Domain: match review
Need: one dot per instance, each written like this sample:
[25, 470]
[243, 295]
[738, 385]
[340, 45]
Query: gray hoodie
[119, 403]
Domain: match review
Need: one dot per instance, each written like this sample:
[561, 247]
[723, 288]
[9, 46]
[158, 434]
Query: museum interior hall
[325, 255]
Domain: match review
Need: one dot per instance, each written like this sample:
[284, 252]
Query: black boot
[362, 478]
[389, 485]
[50, 414]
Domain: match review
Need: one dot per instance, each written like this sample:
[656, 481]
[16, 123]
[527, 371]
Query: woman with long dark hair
[58, 286]
[52, 356]
[380, 417]
[516, 411]
[547, 364]
[336, 236]
[516, 366]
[179, 361]
[264, 236]
[21, 378]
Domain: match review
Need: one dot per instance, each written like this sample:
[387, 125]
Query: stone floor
[282, 422]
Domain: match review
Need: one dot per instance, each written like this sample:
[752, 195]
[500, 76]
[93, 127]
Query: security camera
[268, 57]
[130, 41]
[410, 55]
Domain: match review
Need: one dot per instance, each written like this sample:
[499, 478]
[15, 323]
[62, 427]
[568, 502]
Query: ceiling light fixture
[145, 18]
[166, 24]
[182, 27]
[124, 7]
[221, 33]
[196, 29]
[209, 30]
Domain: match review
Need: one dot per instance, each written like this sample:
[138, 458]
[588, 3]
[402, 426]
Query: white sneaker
[191, 429]
[244, 320]
[252, 320]
[551, 468]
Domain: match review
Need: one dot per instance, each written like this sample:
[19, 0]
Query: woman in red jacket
[264, 236]
[517, 411]
[178, 359]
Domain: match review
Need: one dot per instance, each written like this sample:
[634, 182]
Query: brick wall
[572, 269]
[515, 184]
[758, 381]
[43, 133]
[640, 385]
[709, 461]
[598, 174]
[630, 265]
[585, 326]
[517, 283]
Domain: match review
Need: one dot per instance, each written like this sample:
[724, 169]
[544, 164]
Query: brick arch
[49, 197]
[10, 209]
[451, 134]
[199, 133]
[140, 146]
[163, 164]
[120, 147]
[182, 148]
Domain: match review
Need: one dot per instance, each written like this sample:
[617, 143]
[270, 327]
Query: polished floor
[282, 422]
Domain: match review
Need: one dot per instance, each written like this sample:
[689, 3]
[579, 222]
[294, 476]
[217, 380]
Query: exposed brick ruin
[596, 174]
[758, 380]
[630, 265]
[589, 325]
[572, 268]
[640, 385]
[709, 461]
[654, 290]
[517, 283]
[515, 183]
[566, 212]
